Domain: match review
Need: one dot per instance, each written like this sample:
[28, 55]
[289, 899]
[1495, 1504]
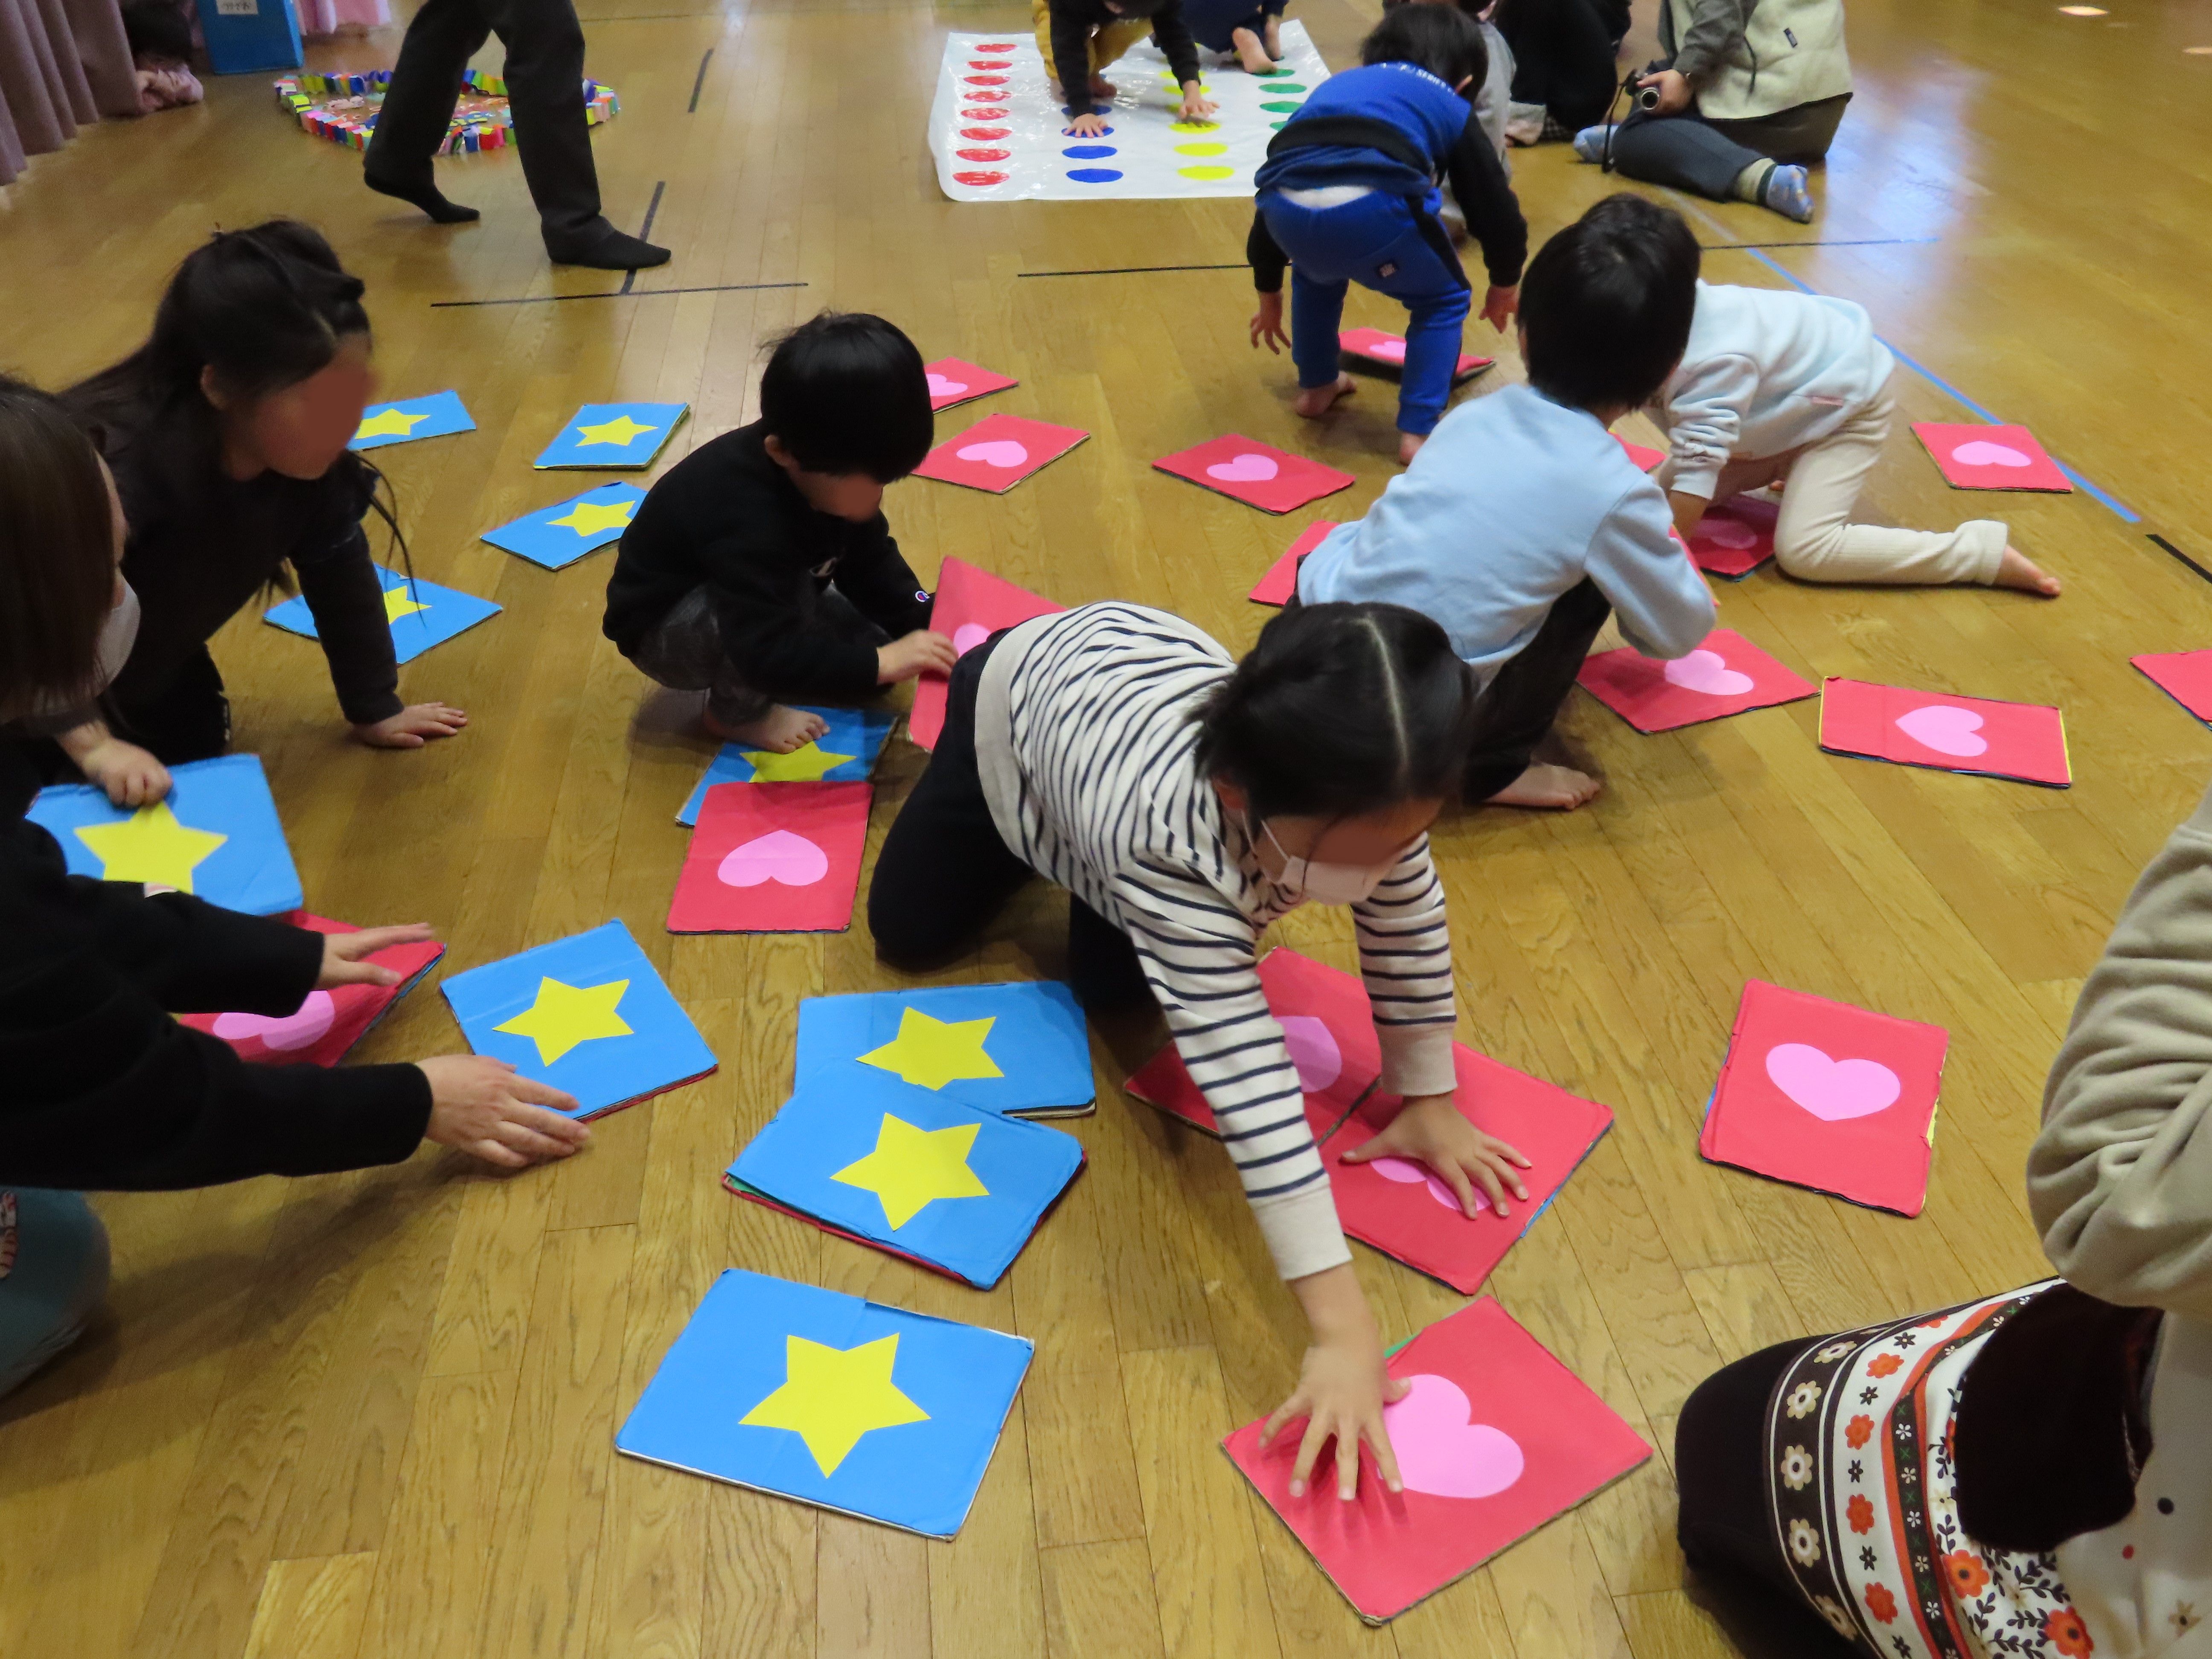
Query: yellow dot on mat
[1201, 150]
[2083, 11]
[1195, 126]
[1204, 173]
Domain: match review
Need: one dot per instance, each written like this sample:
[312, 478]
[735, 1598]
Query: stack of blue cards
[586, 1014]
[437, 416]
[613, 435]
[562, 533]
[1018, 1050]
[215, 835]
[941, 1183]
[422, 614]
[845, 753]
[868, 1410]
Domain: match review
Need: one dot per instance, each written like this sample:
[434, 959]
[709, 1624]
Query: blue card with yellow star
[587, 1014]
[438, 415]
[845, 753]
[1019, 1050]
[955, 1189]
[849, 1405]
[562, 533]
[422, 614]
[613, 434]
[215, 836]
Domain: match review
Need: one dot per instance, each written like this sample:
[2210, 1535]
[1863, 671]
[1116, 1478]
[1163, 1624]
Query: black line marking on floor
[2183, 556]
[705, 58]
[645, 230]
[617, 294]
[1868, 241]
[1133, 270]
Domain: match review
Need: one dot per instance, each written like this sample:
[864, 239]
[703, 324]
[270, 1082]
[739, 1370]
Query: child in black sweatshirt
[761, 567]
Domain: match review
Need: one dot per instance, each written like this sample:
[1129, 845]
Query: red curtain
[64, 63]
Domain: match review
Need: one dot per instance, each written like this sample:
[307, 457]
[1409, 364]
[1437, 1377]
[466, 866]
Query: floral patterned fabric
[1858, 1435]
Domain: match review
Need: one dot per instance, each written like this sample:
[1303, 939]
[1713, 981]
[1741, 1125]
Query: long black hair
[258, 310]
[1341, 710]
[57, 552]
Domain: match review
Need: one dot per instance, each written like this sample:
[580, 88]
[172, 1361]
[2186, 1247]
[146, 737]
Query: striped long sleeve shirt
[1085, 738]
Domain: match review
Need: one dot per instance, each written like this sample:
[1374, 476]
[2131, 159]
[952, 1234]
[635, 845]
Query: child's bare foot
[1315, 401]
[1556, 788]
[2019, 571]
[1102, 88]
[1409, 444]
[778, 732]
[1250, 53]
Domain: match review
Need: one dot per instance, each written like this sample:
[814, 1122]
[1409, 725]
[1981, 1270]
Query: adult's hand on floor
[485, 1108]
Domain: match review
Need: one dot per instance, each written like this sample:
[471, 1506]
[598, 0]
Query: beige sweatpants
[1815, 539]
[1108, 43]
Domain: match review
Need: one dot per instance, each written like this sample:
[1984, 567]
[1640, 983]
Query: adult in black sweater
[227, 435]
[99, 1087]
[761, 568]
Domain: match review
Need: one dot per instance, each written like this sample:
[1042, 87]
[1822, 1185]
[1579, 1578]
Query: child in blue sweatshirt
[1522, 524]
[1348, 193]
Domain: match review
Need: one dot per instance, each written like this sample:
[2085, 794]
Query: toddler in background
[1079, 38]
[161, 48]
[1253, 34]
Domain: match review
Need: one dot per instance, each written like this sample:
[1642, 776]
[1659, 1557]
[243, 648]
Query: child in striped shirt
[1186, 801]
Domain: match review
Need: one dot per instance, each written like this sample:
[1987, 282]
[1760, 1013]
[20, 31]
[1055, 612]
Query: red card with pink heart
[1645, 459]
[1823, 1095]
[1726, 675]
[1327, 1026]
[324, 1027]
[773, 858]
[1281, 581]
[1494, 1438]
[970, 605]
[952, 380]
[2184, 676]
[1259, 475]
[1990, 457]
[1735, 537]
[999, 452]
[2023, 741]
[1372, 345]
[1400, 1208]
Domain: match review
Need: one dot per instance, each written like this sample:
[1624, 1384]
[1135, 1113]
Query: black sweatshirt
[197, 556]
[1073, 21]
[99, 1088]
[727, 518]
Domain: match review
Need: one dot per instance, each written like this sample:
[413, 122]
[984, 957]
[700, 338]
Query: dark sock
[608, 249]
[425, 196]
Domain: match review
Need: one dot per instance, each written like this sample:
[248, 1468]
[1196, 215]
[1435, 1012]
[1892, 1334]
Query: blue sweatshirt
[1513, 500]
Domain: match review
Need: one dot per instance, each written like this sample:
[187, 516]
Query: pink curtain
[64, 63]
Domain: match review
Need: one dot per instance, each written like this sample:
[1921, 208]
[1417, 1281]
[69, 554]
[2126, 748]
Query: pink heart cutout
[1390, 351]
[296, 1030]
[997, 452]
[1946, 728]
[1707, 671]
[1832, 1089]
[1313, 1051]
[968, 636]
[1404, 1170]
[1727, 532]
[1244, 469]
[777, 856]
[1443, 1454]
[941, 387]
[1982, 453]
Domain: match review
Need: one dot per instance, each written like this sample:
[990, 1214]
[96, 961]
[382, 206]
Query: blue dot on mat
[1106, 133]
[1093, 175]
[1087, 152]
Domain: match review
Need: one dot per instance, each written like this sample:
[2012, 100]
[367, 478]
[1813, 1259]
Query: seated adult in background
[99, 1087]
[1750, 92]
[1564, 64]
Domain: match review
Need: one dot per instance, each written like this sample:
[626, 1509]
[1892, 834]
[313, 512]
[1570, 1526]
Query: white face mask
[116, 635]
[1327, 883]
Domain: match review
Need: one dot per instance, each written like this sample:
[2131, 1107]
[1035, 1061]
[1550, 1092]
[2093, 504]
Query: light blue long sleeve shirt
[1513, 500]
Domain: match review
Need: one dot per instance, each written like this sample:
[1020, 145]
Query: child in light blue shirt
[1522, 524]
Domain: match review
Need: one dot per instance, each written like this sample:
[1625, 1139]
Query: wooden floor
[372, 1414]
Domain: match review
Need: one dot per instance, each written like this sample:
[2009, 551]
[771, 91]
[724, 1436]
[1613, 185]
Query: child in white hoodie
[1776, 386]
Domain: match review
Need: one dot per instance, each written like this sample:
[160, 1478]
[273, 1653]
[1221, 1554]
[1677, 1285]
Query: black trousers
[946, 872]
[1522, 699]
[1724, 1522]
[544, 76]
[1688, 152]
[685, 651]
[1563, 56]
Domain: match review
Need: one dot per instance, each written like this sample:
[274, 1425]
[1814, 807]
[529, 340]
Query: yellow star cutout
[931, 1053]
[805, 764]
[400, 602]
[150, 845]
[390, 423]
[565, 1015]
[622, 431]
[911, 1168]
[832, 1397]
[590, 518]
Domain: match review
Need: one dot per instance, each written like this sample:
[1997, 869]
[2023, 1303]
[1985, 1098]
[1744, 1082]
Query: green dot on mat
[1278, 125]
[1285, 109]
[1201, 150]
[1208, 172]
[1287, 86]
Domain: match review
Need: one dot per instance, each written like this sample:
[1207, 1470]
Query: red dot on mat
[982, 115]
[982, 97]
[986, 134]
[978, 177]
[985, 80]
[982, 154]
[987, 63]
[997, 45]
